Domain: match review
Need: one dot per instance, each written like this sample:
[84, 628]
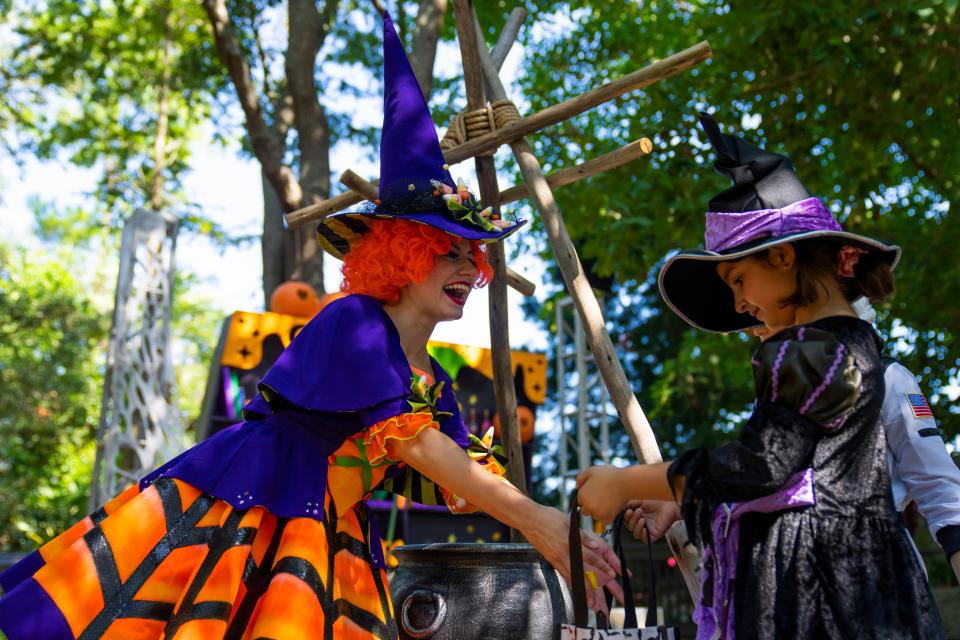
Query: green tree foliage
[858, 94]
[120, 86]
[51, 341]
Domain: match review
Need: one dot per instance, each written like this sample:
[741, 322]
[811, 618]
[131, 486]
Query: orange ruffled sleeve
[405, 426]
[361, 463]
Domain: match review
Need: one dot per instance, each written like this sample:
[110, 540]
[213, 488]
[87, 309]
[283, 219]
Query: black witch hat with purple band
[767, 205]
[415, 184]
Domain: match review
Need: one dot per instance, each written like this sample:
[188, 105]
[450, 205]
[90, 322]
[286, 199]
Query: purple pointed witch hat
[415, 183]
[767, 205]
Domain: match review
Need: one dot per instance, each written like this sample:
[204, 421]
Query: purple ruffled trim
[720, 559]
[825, 382]
[776, 370]
[726, 229]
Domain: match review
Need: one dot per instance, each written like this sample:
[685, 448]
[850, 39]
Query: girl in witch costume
[263, 530]
[801, 537]
[920, 467]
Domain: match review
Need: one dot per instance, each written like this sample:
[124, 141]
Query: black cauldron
[467, 591]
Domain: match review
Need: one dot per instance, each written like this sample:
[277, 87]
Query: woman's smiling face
[760, 283]
[443, 293]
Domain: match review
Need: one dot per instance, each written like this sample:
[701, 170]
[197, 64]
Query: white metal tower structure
[585, 409]
[139, 424]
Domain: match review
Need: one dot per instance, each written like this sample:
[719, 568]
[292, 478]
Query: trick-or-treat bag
[631, 630]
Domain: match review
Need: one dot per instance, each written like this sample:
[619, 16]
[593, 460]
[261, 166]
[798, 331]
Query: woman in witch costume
[263, 530]
[801, 536]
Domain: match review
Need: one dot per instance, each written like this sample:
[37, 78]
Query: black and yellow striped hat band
[339, 234]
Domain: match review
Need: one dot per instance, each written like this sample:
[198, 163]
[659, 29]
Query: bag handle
[578, 591]
[630, 613]
[652, 601]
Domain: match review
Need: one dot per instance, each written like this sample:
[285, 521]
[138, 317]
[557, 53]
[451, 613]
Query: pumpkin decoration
[294, 298]
[525, 419]
[330, 297]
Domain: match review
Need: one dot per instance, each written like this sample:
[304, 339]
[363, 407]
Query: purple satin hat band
[732, 229]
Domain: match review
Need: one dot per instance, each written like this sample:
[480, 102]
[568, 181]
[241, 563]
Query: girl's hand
[657, 515]
[602, 492]
[548, 531]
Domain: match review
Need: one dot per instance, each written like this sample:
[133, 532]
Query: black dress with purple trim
[801, 537]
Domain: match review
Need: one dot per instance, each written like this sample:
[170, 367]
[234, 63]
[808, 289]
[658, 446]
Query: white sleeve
[920, 459]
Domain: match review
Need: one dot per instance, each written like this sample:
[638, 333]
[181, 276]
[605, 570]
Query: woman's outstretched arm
[439, 458]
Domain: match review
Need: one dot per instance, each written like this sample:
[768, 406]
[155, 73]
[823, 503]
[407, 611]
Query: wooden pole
[574, 106]
[551, 115]
[358, 183]
[508, 35]
[616, 158]
[606, 162]
[323, 209]
[504, 390]
[611, 370]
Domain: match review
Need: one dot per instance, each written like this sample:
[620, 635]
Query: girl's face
[758, 285]
[443, 293]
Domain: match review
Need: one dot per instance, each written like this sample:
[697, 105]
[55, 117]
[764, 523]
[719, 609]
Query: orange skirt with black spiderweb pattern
[171, 562]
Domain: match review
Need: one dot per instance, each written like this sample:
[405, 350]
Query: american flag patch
[919, 405]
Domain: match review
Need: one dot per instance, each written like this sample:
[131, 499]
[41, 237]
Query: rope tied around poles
[478, 122]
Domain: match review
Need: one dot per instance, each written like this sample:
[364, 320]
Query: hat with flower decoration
[767, 205]
[415, 183]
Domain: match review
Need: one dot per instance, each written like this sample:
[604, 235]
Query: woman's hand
[548, 531]
[655, 516]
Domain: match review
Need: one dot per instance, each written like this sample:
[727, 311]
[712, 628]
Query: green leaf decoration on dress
[481, 448]
[423, 397]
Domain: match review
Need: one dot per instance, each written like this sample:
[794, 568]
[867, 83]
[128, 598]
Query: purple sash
[720, 559]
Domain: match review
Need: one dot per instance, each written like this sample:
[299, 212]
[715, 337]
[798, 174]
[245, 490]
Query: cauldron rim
[456, 548]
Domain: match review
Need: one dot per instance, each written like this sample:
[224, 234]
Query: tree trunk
[295, 254]
[426, 33]
[274, 242]
[272, 245]
[265, 147]
[308, 27]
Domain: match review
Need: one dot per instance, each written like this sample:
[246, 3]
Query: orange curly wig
[394, 252]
